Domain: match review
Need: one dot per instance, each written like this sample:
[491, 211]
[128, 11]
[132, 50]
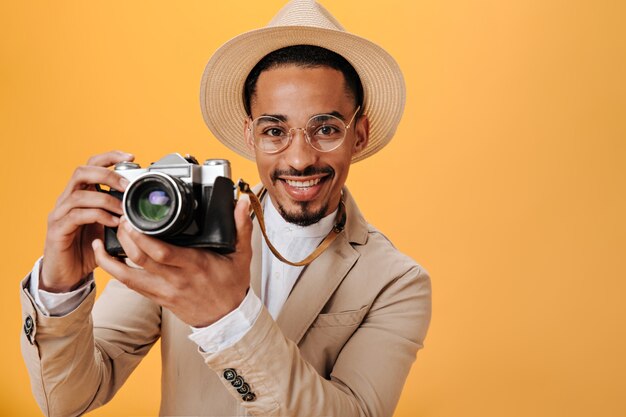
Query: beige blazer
[342, 345]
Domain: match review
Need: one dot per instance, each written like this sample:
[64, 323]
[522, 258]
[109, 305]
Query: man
[245, 334]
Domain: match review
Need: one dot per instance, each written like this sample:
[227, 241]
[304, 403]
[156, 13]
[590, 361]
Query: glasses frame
[303, 129]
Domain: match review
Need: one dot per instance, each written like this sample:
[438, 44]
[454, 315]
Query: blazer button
[244, 389]
[28, 328]
[249, 397]
[229, 374]
[237, 382]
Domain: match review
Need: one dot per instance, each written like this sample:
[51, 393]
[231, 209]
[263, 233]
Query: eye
[326, 130]
[274, 132]
[326, 127]
[269, 128]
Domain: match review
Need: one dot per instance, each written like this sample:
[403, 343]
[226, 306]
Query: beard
[305, 215]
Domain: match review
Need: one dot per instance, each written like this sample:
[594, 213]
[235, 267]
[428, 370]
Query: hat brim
[221, 91]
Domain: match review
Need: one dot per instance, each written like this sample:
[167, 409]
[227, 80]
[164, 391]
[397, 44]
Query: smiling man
[247, 333]
[304, 168]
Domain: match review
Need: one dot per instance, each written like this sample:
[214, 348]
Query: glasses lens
[326, 132]
[154, 204]
[270, 134]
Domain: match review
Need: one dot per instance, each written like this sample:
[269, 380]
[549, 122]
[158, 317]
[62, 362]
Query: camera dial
[125, 165]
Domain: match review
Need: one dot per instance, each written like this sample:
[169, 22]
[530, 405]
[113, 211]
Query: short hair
[306, 56]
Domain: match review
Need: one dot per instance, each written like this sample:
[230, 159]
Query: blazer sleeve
[75, 366]
[367, 377]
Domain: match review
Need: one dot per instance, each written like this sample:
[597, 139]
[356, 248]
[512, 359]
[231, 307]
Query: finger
[243, 224]
[87, 175]
[148, 252]
[78, 217]
[110, 158]
[88, 199]
[135, 279]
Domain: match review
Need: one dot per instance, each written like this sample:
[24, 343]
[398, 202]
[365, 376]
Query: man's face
[304, 183]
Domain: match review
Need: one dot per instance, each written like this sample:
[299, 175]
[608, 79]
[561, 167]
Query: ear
[362, 134]
[247, 133]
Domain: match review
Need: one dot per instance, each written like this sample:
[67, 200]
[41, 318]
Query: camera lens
[154, 204]
[159, 204]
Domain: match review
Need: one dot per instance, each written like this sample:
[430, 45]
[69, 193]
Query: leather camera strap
[258, 211]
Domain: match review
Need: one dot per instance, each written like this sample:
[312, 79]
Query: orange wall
[506, 178]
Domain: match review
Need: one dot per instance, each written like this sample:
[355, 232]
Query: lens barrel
[158, 204]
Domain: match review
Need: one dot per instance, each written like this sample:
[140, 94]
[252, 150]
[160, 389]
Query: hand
[197, 285]
[77, 219]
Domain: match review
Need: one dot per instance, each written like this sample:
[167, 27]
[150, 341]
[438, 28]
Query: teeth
[303, 184]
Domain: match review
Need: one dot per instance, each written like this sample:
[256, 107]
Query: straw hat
[300, 22]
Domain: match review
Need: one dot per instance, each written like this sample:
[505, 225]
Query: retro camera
[179, 201]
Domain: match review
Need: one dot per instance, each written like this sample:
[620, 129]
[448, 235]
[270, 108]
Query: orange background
[506, 178]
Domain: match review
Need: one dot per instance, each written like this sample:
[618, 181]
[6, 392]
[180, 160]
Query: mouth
[303, 184]
[303, 189]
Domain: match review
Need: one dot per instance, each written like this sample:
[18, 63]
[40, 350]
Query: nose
[300, 155]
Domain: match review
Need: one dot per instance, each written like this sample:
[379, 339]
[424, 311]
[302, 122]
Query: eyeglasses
[323, 132]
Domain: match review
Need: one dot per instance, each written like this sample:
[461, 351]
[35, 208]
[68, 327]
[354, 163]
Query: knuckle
[110, 203]
[52, 217]
[111, 177]
[79, 217]
[79, 171]
[72, 215]
[141, 259]
[138, 258]
[162, 254]
[73, 199]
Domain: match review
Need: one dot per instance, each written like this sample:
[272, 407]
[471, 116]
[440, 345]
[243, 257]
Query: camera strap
[258, 211]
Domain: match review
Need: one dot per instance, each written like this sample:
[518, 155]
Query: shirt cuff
[229, 329]
[57, 304]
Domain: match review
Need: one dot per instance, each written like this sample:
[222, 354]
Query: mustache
[308, 171]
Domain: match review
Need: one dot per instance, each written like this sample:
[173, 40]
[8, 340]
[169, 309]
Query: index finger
[85, 177]
[110, 158]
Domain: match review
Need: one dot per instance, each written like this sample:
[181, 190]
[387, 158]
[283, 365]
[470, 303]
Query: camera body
[178, 201]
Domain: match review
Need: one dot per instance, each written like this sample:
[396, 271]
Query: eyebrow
[332, 113]
[280, 117]
[284, 118]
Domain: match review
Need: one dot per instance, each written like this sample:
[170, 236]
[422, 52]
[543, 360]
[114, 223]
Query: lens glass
[159, 204]
[154, 204]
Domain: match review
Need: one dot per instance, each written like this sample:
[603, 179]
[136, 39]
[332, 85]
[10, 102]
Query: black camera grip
[219, 231]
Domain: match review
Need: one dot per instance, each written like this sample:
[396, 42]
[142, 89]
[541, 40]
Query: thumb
[243, 223]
